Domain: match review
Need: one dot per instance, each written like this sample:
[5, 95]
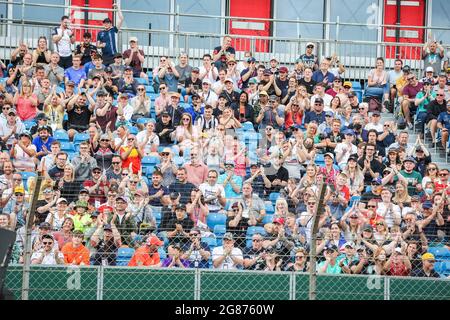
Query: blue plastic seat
[61, 135]
[268, 218]
[143, 120]
[141, 81]
[273, 197]
[124, 256]
[80, 137]
[211, 242]
[252, 230]
[162, 253]
[67, 146]
[133, 130]
[157, 214]
[150, 161]
[29, 124]
[439, 252]
[248, 126]
[269, 208]
[219, 231]
[214, 219]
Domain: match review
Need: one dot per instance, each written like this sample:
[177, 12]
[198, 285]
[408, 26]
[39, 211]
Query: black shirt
[164, 139]
[79, 121]
[179, 238]
[282, 174]
[375, 165]
[184, 189]
[167, 215]
[232, 97]
[106, 251]
[421, 273]
[250, 253]
[309, 85]
[197, 84]
[56, 173]
[41, 216]
[86, 55]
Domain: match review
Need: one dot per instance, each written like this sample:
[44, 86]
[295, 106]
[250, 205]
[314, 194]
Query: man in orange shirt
[147, 255]
[75, 253]
[132, 154]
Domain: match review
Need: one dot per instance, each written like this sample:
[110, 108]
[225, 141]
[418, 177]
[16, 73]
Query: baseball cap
[133, 39]
[263, 93]
[174, 94]
[41, 116]
[154, 240]
[251, 59]
[81, 203]
[318, 100]
[279, 220]
[253, 80]
[429, 69]
[349, 132]
[101, 93]
[267, 72]
[128, 68]
[228, 236]
[12, 111]
[107, 227]
[375, 113]
[410, 159]
[367, 227]
[427, 205]
[428, 256]
[165, 113]
[283, 69]
[121, 198]
[329, 114]
[61, 200]
[108, 69]
[329, 154]
[107, 20]
[70, 83]
[310, 44]
[45, 225]
[406, 68]
[118, 55]
[347, 84]
[228, 80]
[332, 247]
[425, 82]
[180, 207]
[174, 195]
[19, 189]
[85, 190]
[273, 58]
[206, 80]
[195, 69]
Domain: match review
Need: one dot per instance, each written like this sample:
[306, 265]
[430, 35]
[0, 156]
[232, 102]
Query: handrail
[191, 15]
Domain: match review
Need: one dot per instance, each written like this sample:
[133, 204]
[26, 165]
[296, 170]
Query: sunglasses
[162, 88]
[184, 119]
[134, 182]
[256, 240]
[104, 140]
[440, 95]
[380, 224]
[130, 139]
[434, 169]
[347, 87]
[311, 203]
[96, 172]
[193, 234]
[47, 243]
[443, 174]
[141, 89]
[18, 194]
[164, 153]
[124, 174]
[371, 206]
[6, 108]
[310, 47]
[115, 162]
[317, 104]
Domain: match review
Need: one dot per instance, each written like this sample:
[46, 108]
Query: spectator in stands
[308, 59]
[442, 84]
[208, 70]
[53, 71]
[86, 49]
[140, 103]
[182, 186]
[427, 270]
[323, 75]
[43, 142]
[174, 259]
[231, 182]
[23, 153]
[317, 114]
[402, 142]
[429, 76]
[10, 128]
[26, 102]
[377, 85]
[56, 170]
[434, 109]
[413, 177]
[83, 163]
[106, 245]
[196, 251]
[433, 57]
[193, 83]
[47, 255]
[127, 84]
[75, 253]
[106, 39]
[443, 123]
[134, 57]
[63, 38]
[222, 53]
[147, 255]
[75, 73]
[398, 264]
[213, 193]
[410, 92]
[227, 256]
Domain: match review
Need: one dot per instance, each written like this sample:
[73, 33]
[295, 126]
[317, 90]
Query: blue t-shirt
[312, 116]
[229, 192]
[444, 118]
[39, 144]
[108, 37]
[318, 76]
[75, 75]
[194, 114]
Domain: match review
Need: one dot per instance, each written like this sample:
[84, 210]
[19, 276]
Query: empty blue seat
[211, 242]
[356, 85]
[248, 126]
[80, 137]
[162, 253]
[67, 146]
[143, 120]
[269, 208]
[214, 219]
[61, 135]
[268, 218]
[273, 197]
[219, 231]
[29, 124]
[150, 161]
[157, 215]
[252, 230]
[439, 252]
[124, 256]
[141, 80]
[133, 130]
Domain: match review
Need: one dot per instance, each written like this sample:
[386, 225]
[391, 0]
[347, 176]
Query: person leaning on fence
[147, 255]
[195, 251]
[75, 253]
[106, 245]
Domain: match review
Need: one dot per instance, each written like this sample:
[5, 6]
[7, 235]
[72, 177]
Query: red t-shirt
[132, 158]
[98, 195]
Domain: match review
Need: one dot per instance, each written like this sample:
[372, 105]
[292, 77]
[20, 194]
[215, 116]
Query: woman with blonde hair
[185, 133]
[131, 184]
[281, 208]
[431, 174]
[26, 102]
[68, 186]
[311, 132]
[23, 153]
[355, 176]
[401, 196]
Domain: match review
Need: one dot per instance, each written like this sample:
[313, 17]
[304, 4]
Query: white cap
[429, 69]
[273, 58]
[228, 79]
[135, 39]
[206, 80]
[310, 44]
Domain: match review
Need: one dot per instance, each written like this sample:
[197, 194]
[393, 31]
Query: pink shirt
[25, 109]
[196, 174]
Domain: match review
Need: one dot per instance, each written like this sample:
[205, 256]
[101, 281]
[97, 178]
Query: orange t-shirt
[75, 255]
[141, 257]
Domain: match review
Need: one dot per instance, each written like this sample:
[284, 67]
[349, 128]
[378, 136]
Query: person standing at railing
[308, 58]
[41, 56]
[135, 57]
[106, 39]
[222, 53]
[63, 38]
[432, 57]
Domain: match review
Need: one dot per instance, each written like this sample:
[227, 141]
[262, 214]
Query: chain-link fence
[117, 283]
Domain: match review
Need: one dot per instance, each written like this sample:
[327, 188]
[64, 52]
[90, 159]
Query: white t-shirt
[209, 192]
[326, 101]
[152, 141]
[227, 262]
[210, 97]
[209, 75]
[64, 46]
[340, 149]
[393, 76]
[370, 126]
[49, 258]
[389, 216]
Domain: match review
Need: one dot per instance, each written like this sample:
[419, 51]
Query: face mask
[429, 191]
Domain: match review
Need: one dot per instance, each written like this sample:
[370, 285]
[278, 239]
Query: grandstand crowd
[219, 166]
